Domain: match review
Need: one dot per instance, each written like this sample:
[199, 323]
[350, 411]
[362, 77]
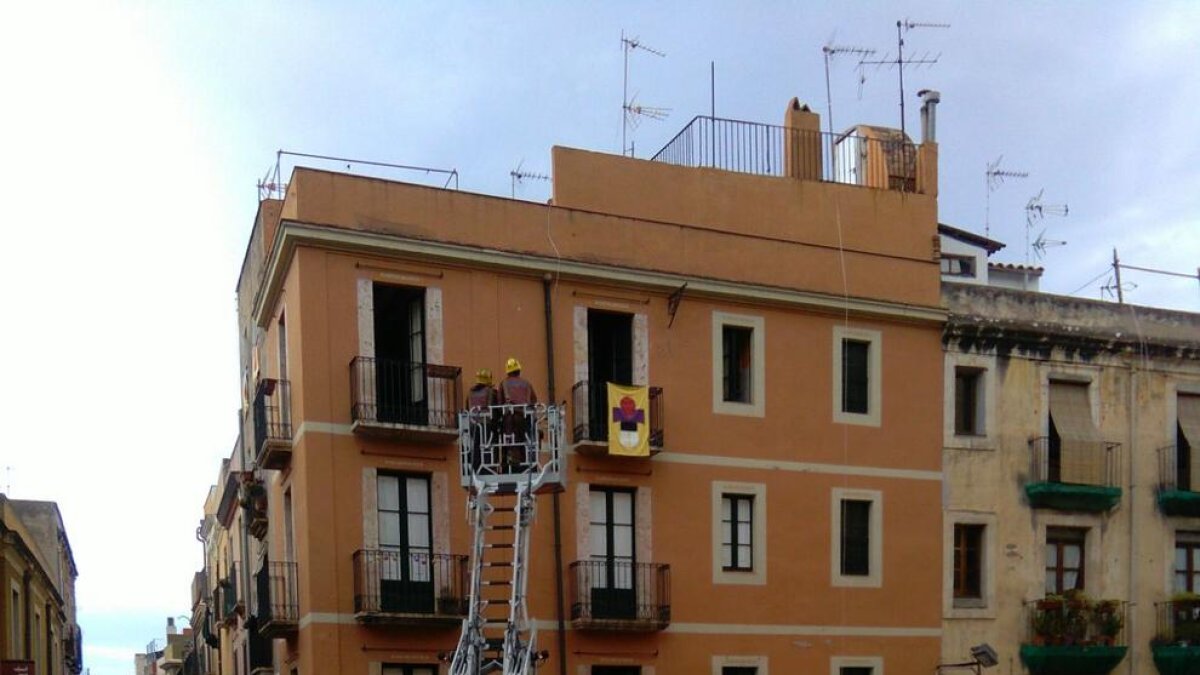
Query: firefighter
[481, 398]
[516, 390]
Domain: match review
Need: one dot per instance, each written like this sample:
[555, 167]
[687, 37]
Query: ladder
[508, 455]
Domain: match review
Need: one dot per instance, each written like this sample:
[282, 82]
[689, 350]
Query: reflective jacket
[481, 396]
[515, 389]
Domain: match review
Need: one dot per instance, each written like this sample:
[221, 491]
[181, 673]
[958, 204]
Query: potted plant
[1048, 621]
[1108, 619]
[1077, 617]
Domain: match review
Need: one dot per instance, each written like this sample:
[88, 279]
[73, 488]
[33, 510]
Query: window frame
[757, 574]
[962, 560]
[731, 527]
[756, 406]
[1189, 541]
[734, 340]
[837, 663]
[874, 576]
[874, 340]
[977, 420]
[1061, 537]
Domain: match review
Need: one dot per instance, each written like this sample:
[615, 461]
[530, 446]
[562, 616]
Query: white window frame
[953, 608]
[985, 402]
[874, 579]
[872, 417]
[757, 575]
[875, 663]
[739, 661]
[758, 385]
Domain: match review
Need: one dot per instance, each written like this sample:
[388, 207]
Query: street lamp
[982, 656]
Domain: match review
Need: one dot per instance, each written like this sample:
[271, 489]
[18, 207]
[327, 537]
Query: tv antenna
[1035, 211]
[831, 50]
[1115, 287]
[520, 175]
[903, 26]
[995, 178]
[632, 112]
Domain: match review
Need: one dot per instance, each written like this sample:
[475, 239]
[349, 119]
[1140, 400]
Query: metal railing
[1074, 620]
[226, 596]
[1175, 469]
[510, 442]
[592, 414]
[1177, 621]
[272, 412]
[771, 150]
[1076, 462]
[405, 392]
[395, 582]
[621, 594]
[277, 598]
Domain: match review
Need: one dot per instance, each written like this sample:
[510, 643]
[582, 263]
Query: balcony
[412, 588]
[1074, 476]
[405, 400]
[883, 160]
[278, 610]
[1178, 493]
[199, 589]
[273, 423]
[1073, 635]
[225, 597]
[620, 595]
[592, 417]
[73, 648]
[261, 653]
[1176, 643]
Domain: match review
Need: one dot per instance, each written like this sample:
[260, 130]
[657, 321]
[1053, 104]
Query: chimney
[929, 114]
[171, 626]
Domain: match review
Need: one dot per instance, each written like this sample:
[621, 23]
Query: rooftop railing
[887, 161]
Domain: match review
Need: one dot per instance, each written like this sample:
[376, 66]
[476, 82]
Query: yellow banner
[628, 420]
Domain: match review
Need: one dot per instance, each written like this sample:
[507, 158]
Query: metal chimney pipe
[929, 114]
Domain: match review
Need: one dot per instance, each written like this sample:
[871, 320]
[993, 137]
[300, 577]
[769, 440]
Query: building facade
[1071, 531]
[38, 629]
[781, 302]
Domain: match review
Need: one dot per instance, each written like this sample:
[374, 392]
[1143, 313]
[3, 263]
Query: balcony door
[405, 543]
[613, 587]
[400, 389]
[610, 359]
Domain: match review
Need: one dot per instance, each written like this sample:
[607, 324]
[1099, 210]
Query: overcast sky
[132, 135]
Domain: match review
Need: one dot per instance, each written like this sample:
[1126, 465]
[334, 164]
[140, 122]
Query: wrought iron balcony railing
[226, 598]
[273, 423]
[278, 605]
[592, 414]
[620, 595]
[1175, 468]
[885, 160]
[405, 398]
[410, 587]
[1074, 475]
[1178, 621]
[1074, 620]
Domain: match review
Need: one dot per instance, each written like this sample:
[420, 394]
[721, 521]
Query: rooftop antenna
[995, 178]
[831, 50]
[1035, 211]
[902, 27]
[8, 480]
[519, 175]
[1114, 282]
[631, 110]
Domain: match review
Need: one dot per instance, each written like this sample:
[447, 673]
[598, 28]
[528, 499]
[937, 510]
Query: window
[405, 542]
[1075, 449]
[737, 532]
[15, 623]
[1187, 562]
[739, 536]
[390, 669]
[968, 418]
[1187, 437]
[739, 670]
[857, 376]
[1064, 559]
[856, 665]
[400, 382]
[738, 377]
[856, 537]
[612, 594]
[736, 360]
[958, 265]
[968, 562]
[856, 670]
[616, 670]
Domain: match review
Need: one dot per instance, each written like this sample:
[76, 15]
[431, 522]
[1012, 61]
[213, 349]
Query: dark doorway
[400, 355]
[616, 670]
[1054, 455]
[1183, 460]
[610, 359]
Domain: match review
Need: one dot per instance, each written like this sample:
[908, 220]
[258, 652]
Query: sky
[132, 135]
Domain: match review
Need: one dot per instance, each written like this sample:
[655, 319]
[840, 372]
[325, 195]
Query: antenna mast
[829, 51]
[519, 175]
[995, 178]
[1035, 210]
[631, 111]
[903, 27]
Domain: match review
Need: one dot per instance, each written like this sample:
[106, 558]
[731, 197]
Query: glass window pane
[419, 567]
[599, 540]
[418, 495]
[598, 507]
[1051, 555]
[389, 493]
[623, 541]
[1181, 556]
[1071, 555]
[418, 530]
[743, 533]
[623, 508]
[1051, 582]
[744, 556]
[725, 509]
[1069, 580]
[389, 529]
[726, 555]
[726, 533]
[1180, 582]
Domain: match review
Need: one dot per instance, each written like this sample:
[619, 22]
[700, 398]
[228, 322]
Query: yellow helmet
[483, 376]
[512, 366]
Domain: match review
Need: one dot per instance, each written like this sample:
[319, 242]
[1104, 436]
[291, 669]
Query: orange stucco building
[780, 300]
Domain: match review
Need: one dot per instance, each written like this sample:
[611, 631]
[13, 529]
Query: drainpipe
[547, 280]
[1131, 612]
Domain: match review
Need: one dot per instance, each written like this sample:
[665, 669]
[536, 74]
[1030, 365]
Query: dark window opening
[855, 376]
[616, 670]
[610, 359]
[856, 670]
[737, 532]
[966, 401]
[400, 354]
[1183, 460]
[739, 670]
[737, 361]
[856, 537]
[968, 561]
[958, 266]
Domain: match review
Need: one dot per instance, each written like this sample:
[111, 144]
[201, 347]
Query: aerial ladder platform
[509, 454]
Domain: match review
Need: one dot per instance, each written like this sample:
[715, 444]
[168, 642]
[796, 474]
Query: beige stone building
[1069, 429]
